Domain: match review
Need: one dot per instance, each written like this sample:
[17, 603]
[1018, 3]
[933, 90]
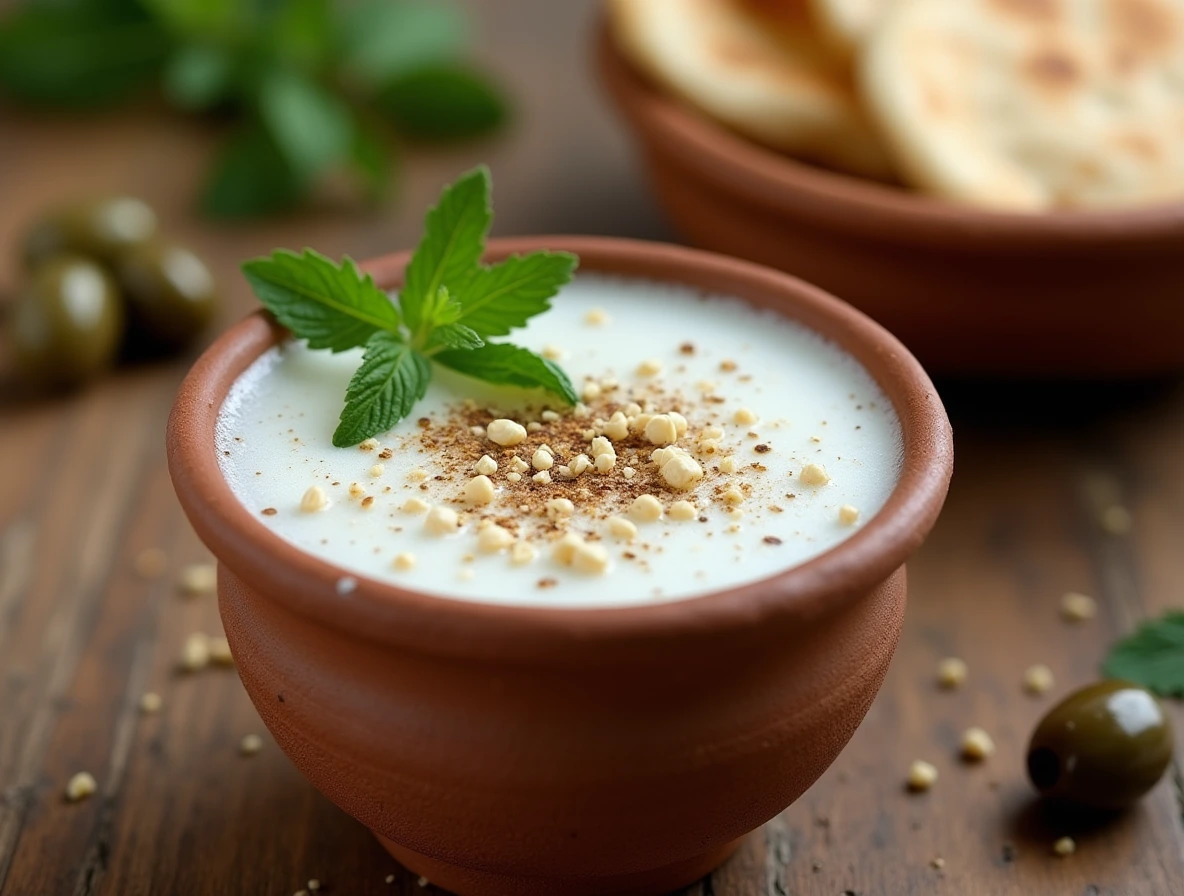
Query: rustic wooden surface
[83, 490]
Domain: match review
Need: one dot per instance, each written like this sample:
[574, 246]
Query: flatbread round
[1033, 104]
[849, 23]
[772, 81]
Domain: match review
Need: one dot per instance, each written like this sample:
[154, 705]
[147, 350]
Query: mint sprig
[449, 306]
[1152, 656]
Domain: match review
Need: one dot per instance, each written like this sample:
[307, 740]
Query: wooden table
[84, 491]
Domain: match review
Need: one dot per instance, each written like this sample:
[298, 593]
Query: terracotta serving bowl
[508, 751]
[971, 291]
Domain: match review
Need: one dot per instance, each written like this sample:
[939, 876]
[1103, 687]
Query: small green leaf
[249, 177]
[388, 38]
[331, 306]
[199, 76]
[455, 336]
[302, 32]
[1153, 656]
[512, 366]
[200, 18]
[77, 57]
[383, 390]
[453, 242]
[509, 294]
[312, 128]
[372, 159]
[442, 102]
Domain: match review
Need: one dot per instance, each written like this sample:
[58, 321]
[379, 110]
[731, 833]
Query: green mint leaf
[372, 161]
[455, 336]
[302, 32]
[511, 366]
[312, 128]
[199, 76]
[440, 310]
[78, 57]
[249, 177]
[508, 294]
[452, 245]
[392, 378]
[442, 102]
[204, 18]
[331, 306]
[387, 38]
[1152, 656]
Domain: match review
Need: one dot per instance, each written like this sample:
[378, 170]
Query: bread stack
[1020, 105]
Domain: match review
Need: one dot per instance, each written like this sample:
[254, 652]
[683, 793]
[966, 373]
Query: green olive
[170, 293]
[1103, 746]
[67, 323]
[99, 228]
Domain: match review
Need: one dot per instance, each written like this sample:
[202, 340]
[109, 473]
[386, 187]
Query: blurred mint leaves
[318, 90]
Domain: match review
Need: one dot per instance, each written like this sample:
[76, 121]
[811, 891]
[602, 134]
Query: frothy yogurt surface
[794, 443]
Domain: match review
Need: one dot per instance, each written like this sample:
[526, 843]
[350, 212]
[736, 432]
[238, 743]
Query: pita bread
[772, 81]
[1033, 104]
[848, 23]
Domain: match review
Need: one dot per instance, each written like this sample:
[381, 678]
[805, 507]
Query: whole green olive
[98, 228]
[171, 295]
[1103, 746]
[67, 322]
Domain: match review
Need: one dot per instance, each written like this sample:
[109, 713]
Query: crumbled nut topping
[1038, 679]
[250, 745]
[1077, 607]
[848, 515]
[922, 776]
[404, 561]
[486, 466]
[314, 499]
[441, 521]
[952, 672]
[80, 786]
[814, 474]
[198, 580]
[150, 703]
[1065, 847]
[976, 745]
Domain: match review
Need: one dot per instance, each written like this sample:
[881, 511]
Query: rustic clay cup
[510, 751]
[968, 290]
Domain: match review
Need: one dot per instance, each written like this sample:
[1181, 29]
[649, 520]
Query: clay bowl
[969, 291]
[504, 751]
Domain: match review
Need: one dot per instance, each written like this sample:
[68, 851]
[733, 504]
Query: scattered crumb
[952, 672]
[441, 521]
[314, 499]
[151, 563]
[814, 474]
[377, 470]
[220, 654]
[744, 417]
[922, 776]
[313, 885]
[848, 515]
[683, 511]
[522, 554]
[416, 505]
[493, 540]
[250, 745]
[198, 580]
[619, 527]
[150, 702]
[80, 786]
[368, 445]
[404, 561]
[1077, 607]
[479, 490]
[597, 317]
[486, 466]
[390, 878]
[1116, 520]
[649, 367]
[1038, 679]
[645, 509]
[937, 863]
[976, 745]
[1065, 847]
[195, 654]
[552, 352]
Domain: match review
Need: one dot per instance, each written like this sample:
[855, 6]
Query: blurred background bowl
[1079, 294]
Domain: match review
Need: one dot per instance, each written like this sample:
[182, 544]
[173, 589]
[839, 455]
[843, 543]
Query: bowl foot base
[473, 882]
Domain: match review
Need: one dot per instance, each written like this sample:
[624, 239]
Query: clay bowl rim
[852, 204]
[378, 610]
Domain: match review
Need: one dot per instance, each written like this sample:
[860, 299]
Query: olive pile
[101, 283]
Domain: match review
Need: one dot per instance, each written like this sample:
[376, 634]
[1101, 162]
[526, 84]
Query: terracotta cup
[1086, 293]
[509, 751]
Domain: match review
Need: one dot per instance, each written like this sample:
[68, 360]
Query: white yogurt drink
[716, 445]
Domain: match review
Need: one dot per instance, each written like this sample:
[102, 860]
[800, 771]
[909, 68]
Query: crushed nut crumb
[1078, 607]
[195, 653]
[848, 515]
[486, 466]
[150, 702]
[814, 474]
[922, 776]
[646, 509]
[314, 499]
[952, 672]
[683, 511]
[198, 580]
[1065, 847]
[1038, 679]
[80, 786]
[441, 521]
[596, 317]
[479, 490]
[621, 528]
[976, 745]
[404, 561]
[415, 505]
[151, 563]
[250, 745]
[506, 432]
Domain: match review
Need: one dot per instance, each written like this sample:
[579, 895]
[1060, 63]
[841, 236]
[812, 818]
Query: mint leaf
[250, 177]
[386, 38]
[78, 57]
[508, 294]
[512, 366]
[392, 378]
[191, 18]
[312, 128]
[199, 76]
[302, 32]
[1152, 656]
[372, 160]
[456, 336]
[442, 102]
[452, 245]
[331, 306]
